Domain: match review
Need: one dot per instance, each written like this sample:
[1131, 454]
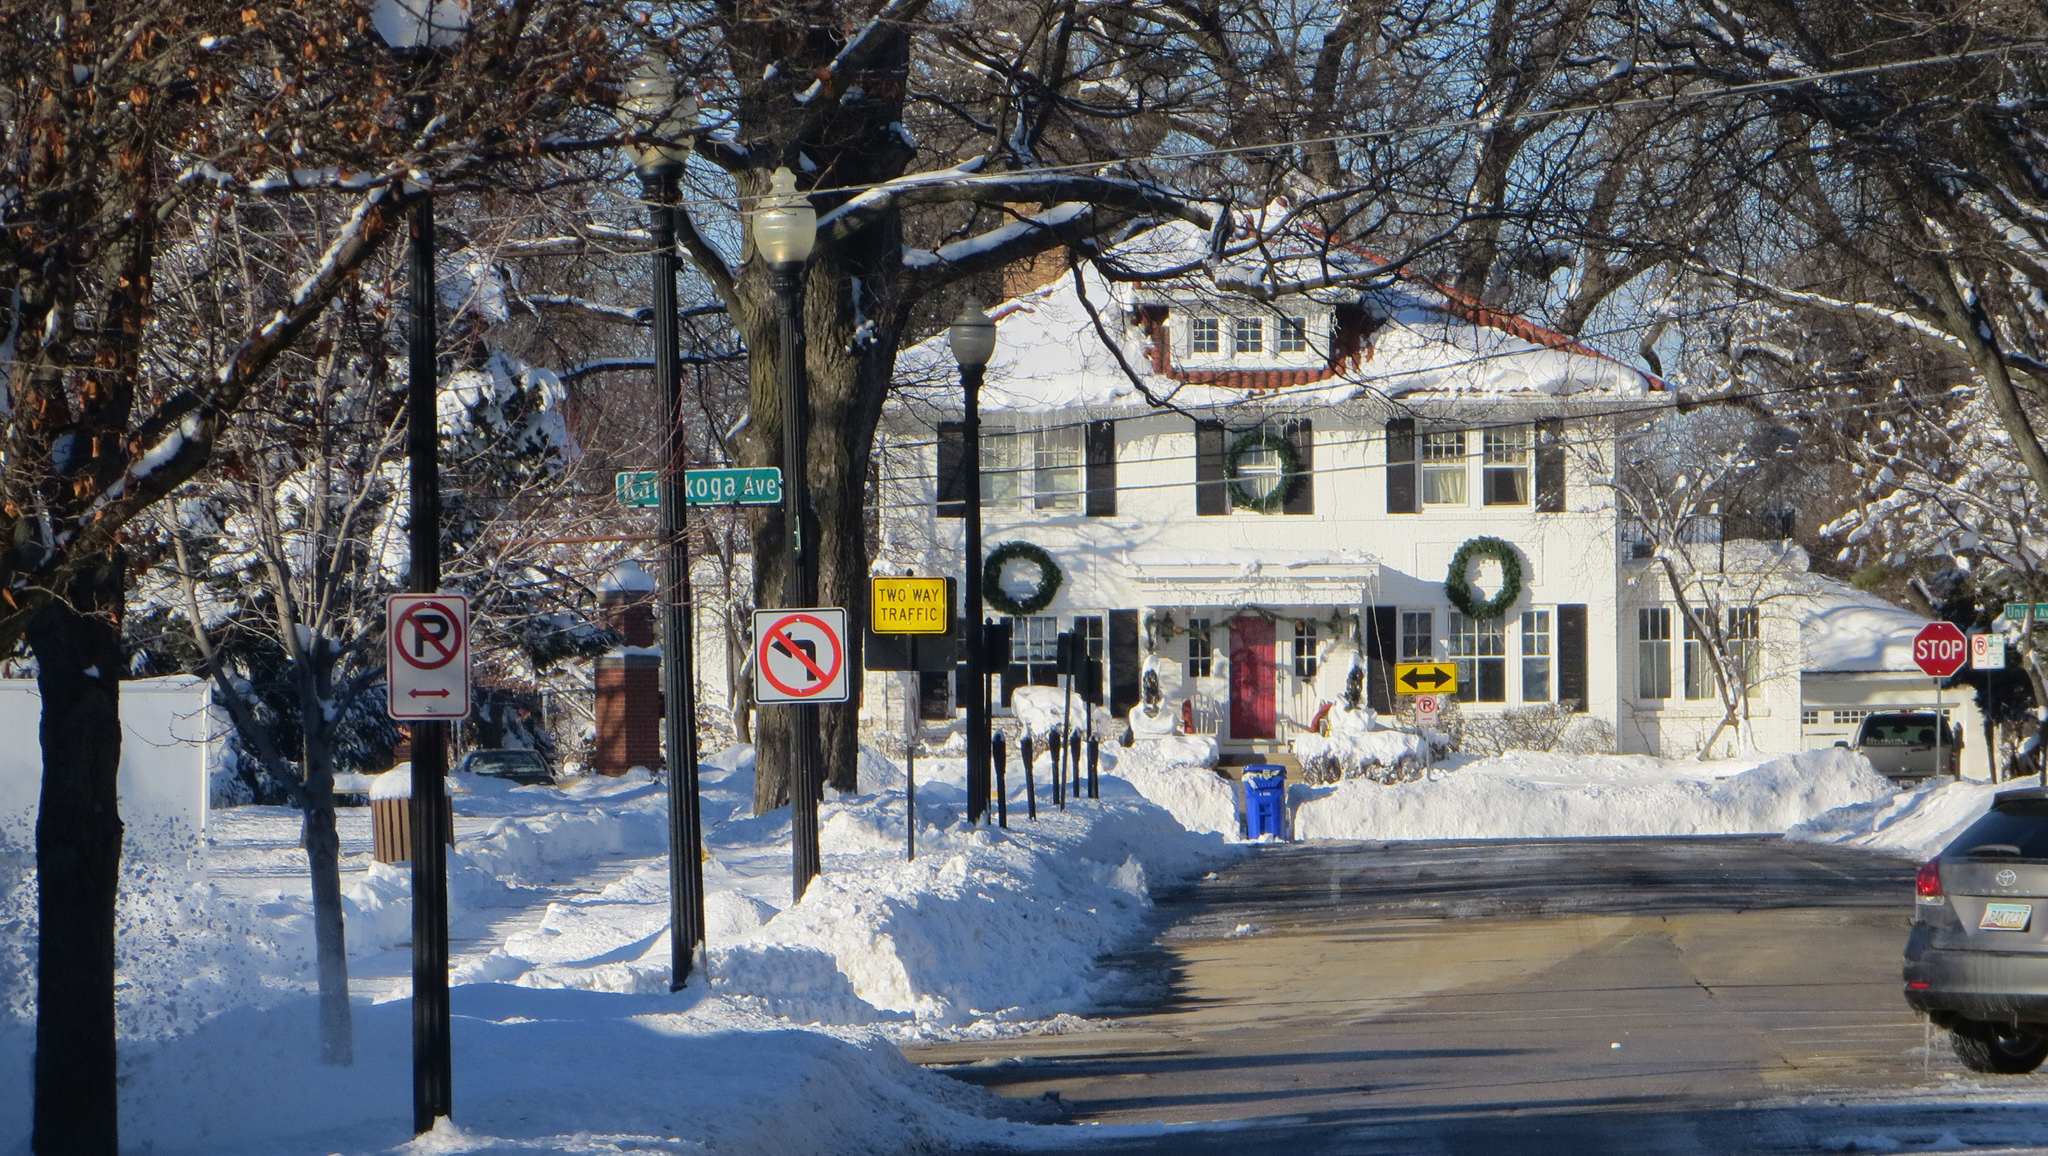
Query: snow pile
[1358, 744]
[1044, 709]
[1522, 795]
[1916, 823]
[1176, 772]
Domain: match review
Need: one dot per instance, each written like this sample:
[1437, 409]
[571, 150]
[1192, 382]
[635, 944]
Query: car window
[487, 762]
[1900, 730]
[2027, 830]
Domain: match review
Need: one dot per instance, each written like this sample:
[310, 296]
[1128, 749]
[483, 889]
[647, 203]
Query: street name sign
[426, 660]
[1987, 652]
[1940, 649]
[2017, 612]
[739, 487]
[800, 656]
[1425, 678]
[910, 605]
[748, 487]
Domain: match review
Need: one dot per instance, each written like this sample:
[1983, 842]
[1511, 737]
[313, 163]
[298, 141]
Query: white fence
[170, 744]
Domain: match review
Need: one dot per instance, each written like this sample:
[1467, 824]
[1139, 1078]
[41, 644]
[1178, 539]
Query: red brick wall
[628, 713]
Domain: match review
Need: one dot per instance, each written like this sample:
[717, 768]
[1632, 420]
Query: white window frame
[1247, 335]
[1653, 654]
[1290, 335]
[1443, 455]
[1205, 335]
[1504, 456]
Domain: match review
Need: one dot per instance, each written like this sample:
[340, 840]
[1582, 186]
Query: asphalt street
[1577, 996]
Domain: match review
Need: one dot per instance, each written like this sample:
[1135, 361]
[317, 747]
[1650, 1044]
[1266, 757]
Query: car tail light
[1927, 884]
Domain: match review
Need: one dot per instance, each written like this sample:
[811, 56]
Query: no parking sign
[426, 649]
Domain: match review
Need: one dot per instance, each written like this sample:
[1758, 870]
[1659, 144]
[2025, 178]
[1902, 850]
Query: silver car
[1902, 744]
[1977, 959]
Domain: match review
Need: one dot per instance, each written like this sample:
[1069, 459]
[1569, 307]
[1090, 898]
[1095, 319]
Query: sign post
[911, 606]
[1939, 650]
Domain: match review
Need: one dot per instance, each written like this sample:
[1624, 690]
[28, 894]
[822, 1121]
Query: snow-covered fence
[170, 747]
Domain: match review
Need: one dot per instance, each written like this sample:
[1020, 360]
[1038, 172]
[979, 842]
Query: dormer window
[1250, 335]
[1290, 335]
[1205, 335]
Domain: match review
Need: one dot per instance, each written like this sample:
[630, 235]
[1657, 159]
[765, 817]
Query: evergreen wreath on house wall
[1288, 480]
[1458, 583]
[1050, 578]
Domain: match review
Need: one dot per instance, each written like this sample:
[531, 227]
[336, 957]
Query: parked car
[1901, 744]
[526, 768]
[1977, 958]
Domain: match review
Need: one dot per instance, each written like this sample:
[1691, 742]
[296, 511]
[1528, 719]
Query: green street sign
[754, 487]
[639, 488]
[2017, 612]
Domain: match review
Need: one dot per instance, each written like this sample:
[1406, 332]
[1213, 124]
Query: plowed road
[1578, 997]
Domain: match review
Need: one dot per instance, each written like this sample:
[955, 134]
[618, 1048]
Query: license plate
[2006, 916]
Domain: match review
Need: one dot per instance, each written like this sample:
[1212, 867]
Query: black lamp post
[973, 340]
[651, 98]
[417, 30]
[785, 229]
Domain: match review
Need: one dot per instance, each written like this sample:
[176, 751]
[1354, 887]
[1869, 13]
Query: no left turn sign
[800, 656]
[426, 647]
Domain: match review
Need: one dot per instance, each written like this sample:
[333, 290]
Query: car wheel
[1986, 1047]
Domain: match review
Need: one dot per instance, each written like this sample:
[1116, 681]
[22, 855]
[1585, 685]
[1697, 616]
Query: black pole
[977, 689]
[432, 1070]
[996, 759]
[1094, 761]
[1024, 753]
[1074, 761]
[801, 588]
[910, 756]
[678, 641]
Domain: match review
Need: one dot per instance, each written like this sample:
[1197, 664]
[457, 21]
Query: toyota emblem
[2008, 877]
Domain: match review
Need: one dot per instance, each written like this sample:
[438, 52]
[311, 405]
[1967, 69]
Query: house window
[1443, 469]
[1653, 652]
[1745, 646]
[1809, 718]
[1290, 335]
[1002, 468]
[1699, 666]
[1056, 468]
[1479, 647]
[1506, 453]
[1845, 718]
[1205, 335]
[1258, 471]
[1304, 649]
[1200, 653]
[1418, 635]
[1249, 335]
[1536, 656]
[1035, 646]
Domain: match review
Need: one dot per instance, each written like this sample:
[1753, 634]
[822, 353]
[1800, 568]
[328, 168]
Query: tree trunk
[323, 859]
[77, 646]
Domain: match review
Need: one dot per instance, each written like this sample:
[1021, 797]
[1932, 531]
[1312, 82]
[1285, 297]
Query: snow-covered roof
[627, 578]
[1409, 337]
[1846, 630]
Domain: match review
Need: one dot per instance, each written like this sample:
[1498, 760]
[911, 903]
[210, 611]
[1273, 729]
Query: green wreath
[1284, 487]
[1049, 579]
[1459, 587]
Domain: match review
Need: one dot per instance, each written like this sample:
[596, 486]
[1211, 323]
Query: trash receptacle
[391, 816]
[1265, 801]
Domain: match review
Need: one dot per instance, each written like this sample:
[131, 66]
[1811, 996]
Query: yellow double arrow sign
[1425, 678]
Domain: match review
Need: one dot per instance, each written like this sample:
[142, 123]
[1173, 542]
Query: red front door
[1251, 678]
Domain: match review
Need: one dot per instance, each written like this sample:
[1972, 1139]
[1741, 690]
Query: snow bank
[1916, 824]
[1359, 744]
[1175, 772]
[1522, 795]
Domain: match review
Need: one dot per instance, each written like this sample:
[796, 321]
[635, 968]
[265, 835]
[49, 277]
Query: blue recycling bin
[1265, 801]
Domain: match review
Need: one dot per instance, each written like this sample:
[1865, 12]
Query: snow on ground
[566, 1036]
[1523, 795]
[1915, 824]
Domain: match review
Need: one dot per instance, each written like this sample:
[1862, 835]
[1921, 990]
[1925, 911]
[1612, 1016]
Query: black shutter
[1100, 439]
[1211, 495]
[1124, 676]
[1302, 436]
[953, 472]
[1571, 657]
[1401, 491]
[1550, 466]
[1381, 638]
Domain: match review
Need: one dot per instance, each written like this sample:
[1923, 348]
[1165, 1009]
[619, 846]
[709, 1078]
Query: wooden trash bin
[391, 817]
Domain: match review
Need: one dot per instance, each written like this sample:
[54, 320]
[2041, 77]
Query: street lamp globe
[651, 100]
[420, 25]
[785, 226]
[973, 335]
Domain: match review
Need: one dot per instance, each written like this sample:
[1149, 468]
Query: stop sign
[1940, 649]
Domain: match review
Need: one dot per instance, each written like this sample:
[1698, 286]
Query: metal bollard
[1074, 761]
[1059, 774]
[1002, 791]
[1024, 753]
[1094, 761]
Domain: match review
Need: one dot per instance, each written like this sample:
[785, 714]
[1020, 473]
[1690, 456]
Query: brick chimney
[629, 706]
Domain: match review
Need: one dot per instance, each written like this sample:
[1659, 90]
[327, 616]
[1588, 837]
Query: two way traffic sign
[800, 656]
[426, 656]
[1425, 678]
